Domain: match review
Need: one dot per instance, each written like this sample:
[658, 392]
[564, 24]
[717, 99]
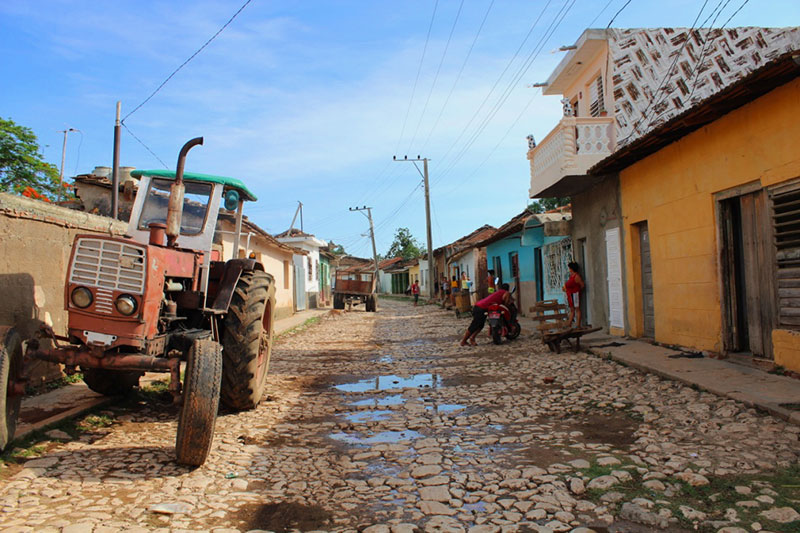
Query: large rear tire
[372, 303]
[10, 370]
[200, 402]
[338, 301]
[247, 340]
[110, 382]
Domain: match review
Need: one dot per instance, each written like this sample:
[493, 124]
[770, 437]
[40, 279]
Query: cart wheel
[10, 372]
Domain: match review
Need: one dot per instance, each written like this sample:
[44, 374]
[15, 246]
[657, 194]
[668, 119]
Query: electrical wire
[435, 77]
[610, 22]
[143, 144]
[416, 80]
[458, 76]
[668, 75]
[598, 15]
[187, 61]
[494, 86]
[78, 158]
[554, 24]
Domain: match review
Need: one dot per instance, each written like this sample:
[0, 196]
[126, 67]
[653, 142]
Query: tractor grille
[109, 265]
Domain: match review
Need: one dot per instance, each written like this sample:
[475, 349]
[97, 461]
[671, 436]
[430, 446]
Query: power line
[458, 77]
[416, 80]
[598, 15]
[646, 114]
[143, 144]
[554, 24]
[436, 76]
[187, 61]
[610, 22]
[494, 86]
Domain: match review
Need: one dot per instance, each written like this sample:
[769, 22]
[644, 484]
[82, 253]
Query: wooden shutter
[786, 226]
[596, 96]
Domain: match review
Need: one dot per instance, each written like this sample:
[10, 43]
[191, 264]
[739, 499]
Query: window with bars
[786, 227]
[596, 97]
[310, 269]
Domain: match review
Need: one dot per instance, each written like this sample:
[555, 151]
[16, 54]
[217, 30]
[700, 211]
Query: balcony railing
[570, 149]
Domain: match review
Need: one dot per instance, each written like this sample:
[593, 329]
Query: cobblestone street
[381, 421]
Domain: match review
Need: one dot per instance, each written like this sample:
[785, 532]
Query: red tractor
[160, 297]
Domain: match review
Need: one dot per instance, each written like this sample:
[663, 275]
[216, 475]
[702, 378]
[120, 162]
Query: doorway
[514, 260]
[746, 283]
[539, 273]
[648, 307]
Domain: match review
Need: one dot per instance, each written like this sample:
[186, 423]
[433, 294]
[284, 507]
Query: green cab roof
[194, 176]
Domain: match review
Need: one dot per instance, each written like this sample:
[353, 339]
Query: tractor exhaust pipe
[176, 192]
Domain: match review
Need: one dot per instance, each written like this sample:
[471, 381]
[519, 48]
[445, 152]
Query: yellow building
[710, 204]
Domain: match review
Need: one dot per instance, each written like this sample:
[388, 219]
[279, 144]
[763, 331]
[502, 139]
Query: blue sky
[310, 100]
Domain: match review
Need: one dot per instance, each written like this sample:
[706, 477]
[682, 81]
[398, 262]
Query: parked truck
[353, 288]
[160, 299]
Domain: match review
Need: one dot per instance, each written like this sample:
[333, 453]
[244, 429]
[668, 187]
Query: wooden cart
[552, 317]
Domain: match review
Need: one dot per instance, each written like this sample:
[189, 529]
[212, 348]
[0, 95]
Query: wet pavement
[381, 422]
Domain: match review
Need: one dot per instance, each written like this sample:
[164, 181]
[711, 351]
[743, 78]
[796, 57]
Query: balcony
[570, 149]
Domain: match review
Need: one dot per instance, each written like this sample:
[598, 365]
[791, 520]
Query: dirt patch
[543, 456]
[615, 429]
[283, 517]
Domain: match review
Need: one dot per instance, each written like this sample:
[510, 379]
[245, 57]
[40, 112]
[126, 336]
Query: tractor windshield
[195, 205]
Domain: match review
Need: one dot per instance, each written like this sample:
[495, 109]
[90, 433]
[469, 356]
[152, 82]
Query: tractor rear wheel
[110, 382]
[201, 386]
[10, 399]
[372, 303]
[247, 340]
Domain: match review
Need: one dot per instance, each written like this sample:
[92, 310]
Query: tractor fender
[230, 277]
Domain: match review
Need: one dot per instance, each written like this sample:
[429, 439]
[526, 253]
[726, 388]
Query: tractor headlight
[82, 297]
[126, 304]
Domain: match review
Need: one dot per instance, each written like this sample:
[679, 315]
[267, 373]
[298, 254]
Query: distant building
[306, 267]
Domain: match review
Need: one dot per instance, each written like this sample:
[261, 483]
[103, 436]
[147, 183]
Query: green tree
[23, 169]
[404, 245]
[546, 204]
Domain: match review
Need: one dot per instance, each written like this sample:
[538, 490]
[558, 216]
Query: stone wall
[35, 245]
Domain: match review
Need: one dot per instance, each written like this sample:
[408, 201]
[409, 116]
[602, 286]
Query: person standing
[573, 287]
[415, 292]
[500, 296]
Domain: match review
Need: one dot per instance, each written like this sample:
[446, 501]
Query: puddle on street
[359, 417]
[386, 359]
[383, 437]
[390, 382]
[446, 407]
[394, 399]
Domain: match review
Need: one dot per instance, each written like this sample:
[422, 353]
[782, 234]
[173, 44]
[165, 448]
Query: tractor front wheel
[10, 399]
[200, 402]
[247, 340]
[110, 382]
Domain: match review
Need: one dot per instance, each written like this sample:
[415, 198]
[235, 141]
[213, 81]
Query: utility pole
[294, 218]
[372, 235]
[63, 157]
[115, 167]
[424, 160]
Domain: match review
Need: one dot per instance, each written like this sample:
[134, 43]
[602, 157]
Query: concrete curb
[768, 407]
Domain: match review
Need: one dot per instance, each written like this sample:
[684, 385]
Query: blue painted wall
[527, 260]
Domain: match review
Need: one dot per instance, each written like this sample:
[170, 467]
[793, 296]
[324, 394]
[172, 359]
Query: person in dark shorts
[500, 296]
[415, 292]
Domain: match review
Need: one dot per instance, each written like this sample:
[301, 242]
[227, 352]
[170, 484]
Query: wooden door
[648, 308]
[748, 276]
[757, 272]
